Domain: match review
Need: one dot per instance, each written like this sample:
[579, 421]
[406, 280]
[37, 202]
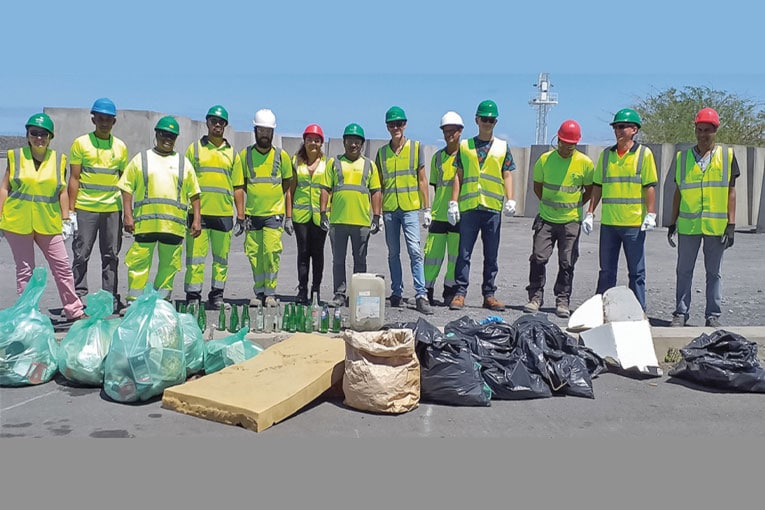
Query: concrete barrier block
[620, 304]
[627, 344]
[589, 315]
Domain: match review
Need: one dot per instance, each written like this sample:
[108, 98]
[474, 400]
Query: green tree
[668, 116]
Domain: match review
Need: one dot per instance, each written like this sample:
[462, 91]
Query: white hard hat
[451, 118]
[264, 118]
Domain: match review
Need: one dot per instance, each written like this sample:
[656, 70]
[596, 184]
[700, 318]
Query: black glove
[324, 222]
[671, 231]
[375, 227]
[239, 227]
[727, 238]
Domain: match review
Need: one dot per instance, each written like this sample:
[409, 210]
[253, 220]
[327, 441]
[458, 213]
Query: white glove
[587, 223]
[649, 223]
[427, 218]
[67, 229]
[510, 207]
[73, 217]
[453, 214]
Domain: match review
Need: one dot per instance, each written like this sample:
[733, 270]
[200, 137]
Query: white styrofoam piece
[620, 304]
[588, 315]
[627, 343]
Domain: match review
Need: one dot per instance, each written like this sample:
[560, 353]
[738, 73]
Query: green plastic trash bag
[82, 351]
[28, 347]
[146, 355]
[193, 344]
[229, 351]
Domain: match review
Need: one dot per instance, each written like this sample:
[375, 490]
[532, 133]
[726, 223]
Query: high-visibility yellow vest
[161, 207]
[622, 180]
[442, 173]
[306, 201]
[351, 183]
[100, 170]
[703, 195]
[213, 166]
[482, 185]
[265, 196]
[33, 200]
[401, 188]
[563, 181]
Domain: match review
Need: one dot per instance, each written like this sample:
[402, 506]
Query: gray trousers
[338, 238]
[687, 251]
[108, 227]
[546, 236]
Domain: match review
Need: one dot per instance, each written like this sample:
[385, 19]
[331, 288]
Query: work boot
[494, 304]
[562, 311]
[423, 306]
[259, 297]
[338, 301]
[448, 295]
[395, 301]
[192, 297]
[269, 301]
[533, 305]
[215, 298]
[302, 296]
[458, 302]
[430, 296]
[678, 321]
[712, 322]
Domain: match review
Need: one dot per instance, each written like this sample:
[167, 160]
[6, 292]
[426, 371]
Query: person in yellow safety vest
[157, 187]
[483, 189]
[309, 165]
[401, 163]
[266, 172]
[703, 209]
[442, 236]
[214, 161]
[563, 184]
[34, 209]
[625, 177]
[96, 162]
[354, 185]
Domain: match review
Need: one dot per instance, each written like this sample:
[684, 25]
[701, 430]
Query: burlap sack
[382, 373]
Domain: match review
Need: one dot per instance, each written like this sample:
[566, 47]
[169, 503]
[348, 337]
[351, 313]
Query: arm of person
[538, 189]
[127, 210]
[597, 192]
[5, 187]
[63, 201]
[196, 223]
[73, 187]
[587, 193]
[732, 204]
[422, 179]
[376, 202]
[323, 200]
[507, 179]
[239, 202]
[649, 196]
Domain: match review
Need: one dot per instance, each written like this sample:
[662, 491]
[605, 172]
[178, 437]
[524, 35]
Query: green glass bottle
[285, 325]
[222, 318]
[233, 323]
[337, 320]
[308, 320]
[300, 322]
[202, 318]
[246, 317]
[324, 319]
[182, 307]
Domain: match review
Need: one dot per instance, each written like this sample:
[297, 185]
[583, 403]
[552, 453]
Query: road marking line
[27, 401]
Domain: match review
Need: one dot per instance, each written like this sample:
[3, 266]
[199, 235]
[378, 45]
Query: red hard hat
[708, 115]
[570, 132]
[314, 129]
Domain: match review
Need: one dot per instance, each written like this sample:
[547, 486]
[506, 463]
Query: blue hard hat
[104, 105]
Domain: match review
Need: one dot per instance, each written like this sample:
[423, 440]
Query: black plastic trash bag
[448, 372]
[722, 360]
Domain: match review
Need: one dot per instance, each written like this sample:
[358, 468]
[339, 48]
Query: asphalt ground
[623, 406]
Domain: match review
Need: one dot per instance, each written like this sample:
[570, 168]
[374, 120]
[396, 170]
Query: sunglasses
[488, 120]
[216, 120]
[396, 123]
[622, 126]
[167, 135]
[35, 133]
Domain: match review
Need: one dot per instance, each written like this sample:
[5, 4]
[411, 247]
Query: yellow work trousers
[138, 261]
[263, 248]
[196, 255]
[435, 245]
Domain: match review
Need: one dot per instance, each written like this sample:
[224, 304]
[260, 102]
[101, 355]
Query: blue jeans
[687, 251]
[611, 241]
[410, 222]
[471, 223]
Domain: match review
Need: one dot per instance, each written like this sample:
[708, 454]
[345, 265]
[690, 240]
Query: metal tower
[543, 101]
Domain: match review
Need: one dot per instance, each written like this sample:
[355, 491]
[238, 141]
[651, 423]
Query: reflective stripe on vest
[483, 185]
[214, 170]
[628, 188]
[305, 205]
[401, 187]
[40, 199]
[265, 194]
[703, 194]
[149, 200]
[360, 188]
[443, 193]
[33, 202]
[274, 179]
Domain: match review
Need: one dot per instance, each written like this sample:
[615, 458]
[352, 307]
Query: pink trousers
[54, 250]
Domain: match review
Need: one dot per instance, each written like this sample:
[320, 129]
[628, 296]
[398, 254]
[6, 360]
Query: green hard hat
[218, 111]
[169, 124]
[40, 120]
[394, 113]
[487, 108]
[354, 130]
[627, 115]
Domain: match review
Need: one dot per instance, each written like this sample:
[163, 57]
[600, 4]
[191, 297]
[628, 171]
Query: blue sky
[339, 61]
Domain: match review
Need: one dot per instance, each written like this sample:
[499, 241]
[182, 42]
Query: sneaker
[430, 296]
[338, 300]
[492, 303]
[395, 301]
[302, 296]
[562, 311]
[423, 306]
[215, 299]
[269, 301]
[678, 321]
[458, 302]
[532, 306]
[712, 322]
